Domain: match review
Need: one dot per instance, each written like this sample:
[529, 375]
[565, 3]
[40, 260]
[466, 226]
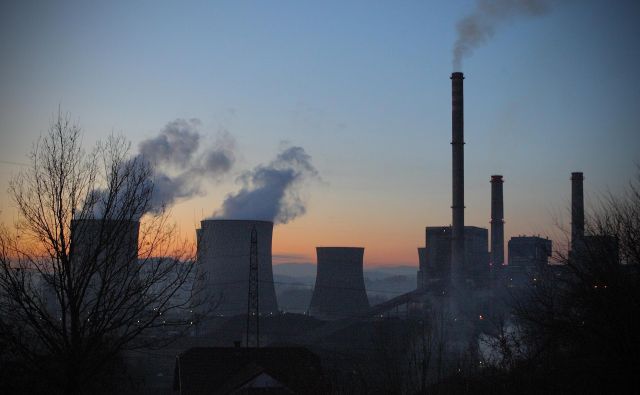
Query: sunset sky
[362, 86]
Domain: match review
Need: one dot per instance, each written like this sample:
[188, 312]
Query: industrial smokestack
[339, 291]
[457, 150]
[497, 221]
[223, 266]
[577, 210]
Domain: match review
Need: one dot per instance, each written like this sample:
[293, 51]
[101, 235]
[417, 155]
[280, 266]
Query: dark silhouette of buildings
[435, 269]
[528, 260]
[236, 370]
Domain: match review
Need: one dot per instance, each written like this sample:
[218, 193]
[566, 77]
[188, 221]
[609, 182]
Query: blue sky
[363, 86]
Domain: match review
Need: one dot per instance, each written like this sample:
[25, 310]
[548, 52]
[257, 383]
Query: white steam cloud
[271, 192]
[478, 27]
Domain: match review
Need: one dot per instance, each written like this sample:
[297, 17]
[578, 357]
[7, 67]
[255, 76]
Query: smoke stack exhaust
[577, 209]
[457, 150]
[497, 221]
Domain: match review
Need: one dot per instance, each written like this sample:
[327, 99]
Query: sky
[362, 86]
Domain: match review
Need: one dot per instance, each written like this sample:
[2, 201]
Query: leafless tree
[84, 273]
[578, 329]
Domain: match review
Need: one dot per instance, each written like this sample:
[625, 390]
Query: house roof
[220, 370]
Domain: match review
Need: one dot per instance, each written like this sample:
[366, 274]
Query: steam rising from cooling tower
[180, 162]
[272, 192]
[478, 27]
[339, 291]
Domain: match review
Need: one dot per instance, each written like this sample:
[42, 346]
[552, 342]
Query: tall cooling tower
[339, 291]
[223, 267]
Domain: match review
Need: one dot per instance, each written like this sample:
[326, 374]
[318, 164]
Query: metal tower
[253, 306]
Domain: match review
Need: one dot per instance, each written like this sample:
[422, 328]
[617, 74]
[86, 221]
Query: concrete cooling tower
[109, 249]
[113, 242]
[339, 291]
[223, 267]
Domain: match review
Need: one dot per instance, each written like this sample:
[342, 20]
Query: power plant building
[339, 289]
[222, 274]
[528, 260]
[435, 269]
[422, 263]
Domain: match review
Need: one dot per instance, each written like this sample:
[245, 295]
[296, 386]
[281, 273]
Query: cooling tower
[114, 242]
[108, 249]
[577, 210]
[497, 221]
[339, 291]
[223, 267]
[457, 157]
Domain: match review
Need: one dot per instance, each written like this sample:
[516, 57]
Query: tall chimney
[457, 150]
[577, 209]
[497, 221]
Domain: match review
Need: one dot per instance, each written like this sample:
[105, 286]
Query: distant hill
[295, 269]
[372, 272]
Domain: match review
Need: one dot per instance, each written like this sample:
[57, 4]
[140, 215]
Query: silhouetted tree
[78, 284]
[578, 329]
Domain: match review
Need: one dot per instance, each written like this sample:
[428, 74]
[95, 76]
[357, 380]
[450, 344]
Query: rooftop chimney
[497, 221]
[577, 209]
[457, 150]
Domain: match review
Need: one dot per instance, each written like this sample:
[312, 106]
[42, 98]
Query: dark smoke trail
[475, 29]
[271, 192]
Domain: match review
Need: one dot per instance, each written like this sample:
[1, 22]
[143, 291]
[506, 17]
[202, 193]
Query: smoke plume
[180, 162]
[475, 29]
[271, 192]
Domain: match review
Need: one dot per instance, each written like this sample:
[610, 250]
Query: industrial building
[528, 260]
[422, 264]
[339, 290]
[222, 267]
[435, 268]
